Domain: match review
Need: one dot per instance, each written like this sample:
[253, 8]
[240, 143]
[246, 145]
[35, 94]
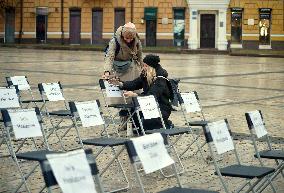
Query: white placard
[112, 90]
[72, 172]
[152, 152]
[25, 123]
[257, 122]
[21, 81]
[89, 113]
[53, 91]
[250, 21]
[190, 102]
[148, 107]
[221, 136]
[8, 98]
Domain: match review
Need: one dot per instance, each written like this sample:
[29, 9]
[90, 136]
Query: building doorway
[97, 27]
[150, 15]
[41, 26]
[207, 31]
[10, 25]
[75, 26]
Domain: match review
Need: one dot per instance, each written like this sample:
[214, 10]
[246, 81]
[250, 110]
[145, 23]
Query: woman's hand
[115, 81]
[129, 94]
[106, 75]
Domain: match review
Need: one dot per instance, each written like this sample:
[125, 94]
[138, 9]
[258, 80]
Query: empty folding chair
[258, 130]
[114, 99]
[72, 171]
[88, 114]
[54, 93]
[150, 110]
[190, 104]
[150, 151]
[25, 125]
[219, 134]
[26, 95]
[8, 100]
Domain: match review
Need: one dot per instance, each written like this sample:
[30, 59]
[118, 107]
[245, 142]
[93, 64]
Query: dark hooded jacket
[159, 89]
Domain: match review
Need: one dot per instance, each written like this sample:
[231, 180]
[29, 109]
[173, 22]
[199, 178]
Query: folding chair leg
[274, 175]
[198, 146]
[171, 147]
[23, 177]
[115, 158]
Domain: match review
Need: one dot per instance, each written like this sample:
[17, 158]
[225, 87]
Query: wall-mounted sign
[250, 21]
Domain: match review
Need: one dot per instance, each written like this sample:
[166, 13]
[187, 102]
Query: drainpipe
[131, 13]
[21, 21]
[62, 20]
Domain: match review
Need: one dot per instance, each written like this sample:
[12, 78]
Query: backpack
[174, 90]
[117, 48]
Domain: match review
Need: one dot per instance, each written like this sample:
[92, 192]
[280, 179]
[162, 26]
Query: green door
[10, 25]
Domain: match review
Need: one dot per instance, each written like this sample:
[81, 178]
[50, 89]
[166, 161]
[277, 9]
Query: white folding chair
[25, 125]
[62, 169]
[121, 106]
[258, 131]
[150, 151]
[190, 104]
[218, 135]
[26, 95]
[53, 92]
[150, 110]
[88, 114]
[8, 100]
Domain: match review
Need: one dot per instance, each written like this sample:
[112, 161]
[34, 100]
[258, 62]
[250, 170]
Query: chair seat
[35, 155]
[105, 141]
[185, 190]
[122, 106]
[243, 171]
[198, 123]
[170, 132]
[61, 113]
[34, 101]
[271, 154]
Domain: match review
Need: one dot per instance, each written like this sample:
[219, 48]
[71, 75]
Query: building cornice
[208, 4]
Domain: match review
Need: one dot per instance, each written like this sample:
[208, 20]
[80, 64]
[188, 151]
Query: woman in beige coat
[130, 50]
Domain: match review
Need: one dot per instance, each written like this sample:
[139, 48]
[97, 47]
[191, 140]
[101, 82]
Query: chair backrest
[150, 151]
[149, 107]
[21, 81]
[255, 122]
[9, 98]
[257, 128]
[52, 91]
[220, 135]
[25, 123]
[88, 112]
[49, 173]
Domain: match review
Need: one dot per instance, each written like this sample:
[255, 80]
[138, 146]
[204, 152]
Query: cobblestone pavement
[228, 87]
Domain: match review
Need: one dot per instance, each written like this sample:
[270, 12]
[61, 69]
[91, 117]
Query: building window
[179, 23]
[264, 26]
[236, 25]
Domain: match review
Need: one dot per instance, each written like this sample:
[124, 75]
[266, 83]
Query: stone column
[222, 40]
[193, 27]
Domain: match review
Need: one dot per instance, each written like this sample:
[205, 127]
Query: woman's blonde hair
[150, 74]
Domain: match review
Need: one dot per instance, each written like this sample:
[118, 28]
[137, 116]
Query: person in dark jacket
[152, 81]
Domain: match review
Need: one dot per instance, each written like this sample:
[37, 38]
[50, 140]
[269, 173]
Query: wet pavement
[228, 86]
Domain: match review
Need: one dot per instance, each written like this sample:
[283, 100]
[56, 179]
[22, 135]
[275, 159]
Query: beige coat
[125, 53]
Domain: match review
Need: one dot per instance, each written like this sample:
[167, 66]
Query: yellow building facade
[193, 24]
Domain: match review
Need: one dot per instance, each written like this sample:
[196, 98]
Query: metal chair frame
[276, 154]
[102, 142]
[248, 172]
